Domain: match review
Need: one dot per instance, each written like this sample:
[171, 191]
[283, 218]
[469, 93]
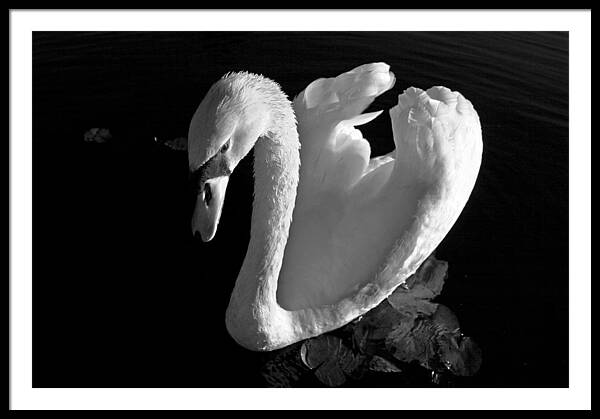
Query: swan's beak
[209, 204]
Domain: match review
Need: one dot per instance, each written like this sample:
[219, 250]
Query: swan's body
[333, 232]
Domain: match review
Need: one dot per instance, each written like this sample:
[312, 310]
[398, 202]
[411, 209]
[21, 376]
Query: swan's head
[226, 125]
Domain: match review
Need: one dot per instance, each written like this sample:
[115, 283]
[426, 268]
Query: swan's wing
[439, 147]
[332, 232]
[361, 226]
[334, 154]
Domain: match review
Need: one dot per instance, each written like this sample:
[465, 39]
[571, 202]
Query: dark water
[123, 297]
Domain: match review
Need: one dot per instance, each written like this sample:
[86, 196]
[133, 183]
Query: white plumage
[333, 231]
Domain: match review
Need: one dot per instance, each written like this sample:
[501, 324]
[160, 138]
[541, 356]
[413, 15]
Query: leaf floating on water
[321, 354]
[317, 351]
[284, 367]
[461, 356]
[97, 135]
[353, 364]
[425, 284]
[379, 364]
[436, 343]
[178, 144]
[371, 332]
[332, 360]
[444, 317]
[428, 280]
[406, 328]
[331, 374]
[409, 344]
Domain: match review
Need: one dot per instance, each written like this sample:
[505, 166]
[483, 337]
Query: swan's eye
[225, 146]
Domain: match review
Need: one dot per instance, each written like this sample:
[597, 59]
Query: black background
[122, 295]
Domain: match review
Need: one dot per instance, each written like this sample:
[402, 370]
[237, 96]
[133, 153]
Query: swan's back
[360, 220]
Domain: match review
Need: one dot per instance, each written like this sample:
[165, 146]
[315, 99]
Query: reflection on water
[407, 328]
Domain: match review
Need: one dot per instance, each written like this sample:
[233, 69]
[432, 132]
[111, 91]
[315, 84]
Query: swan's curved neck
[253, 309]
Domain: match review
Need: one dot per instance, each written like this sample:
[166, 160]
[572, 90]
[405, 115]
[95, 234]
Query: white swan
[333, 232]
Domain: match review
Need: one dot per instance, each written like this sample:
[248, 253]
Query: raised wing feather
[334, 154]
[360, 225]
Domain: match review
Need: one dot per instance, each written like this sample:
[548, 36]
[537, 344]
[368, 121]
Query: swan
[333, 231]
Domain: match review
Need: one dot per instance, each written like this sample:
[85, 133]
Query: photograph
[134, 133]
[248, 209]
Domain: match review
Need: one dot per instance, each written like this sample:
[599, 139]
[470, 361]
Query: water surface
[123, 297]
